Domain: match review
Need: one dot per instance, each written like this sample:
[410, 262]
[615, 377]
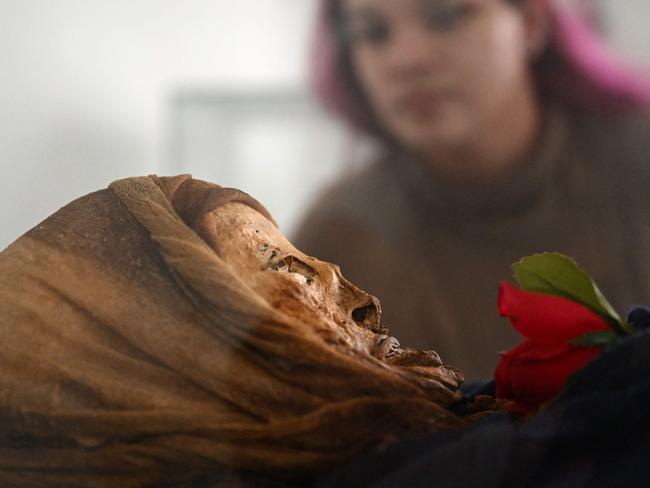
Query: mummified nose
[368, 314]
[361, 307]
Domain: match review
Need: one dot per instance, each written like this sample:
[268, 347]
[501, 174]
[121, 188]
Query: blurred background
[92, 91]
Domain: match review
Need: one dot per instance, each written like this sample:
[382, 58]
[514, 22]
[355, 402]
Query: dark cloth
[596, 434]
[434, 253]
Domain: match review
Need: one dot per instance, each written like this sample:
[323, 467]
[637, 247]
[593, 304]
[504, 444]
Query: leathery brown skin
[302, 286]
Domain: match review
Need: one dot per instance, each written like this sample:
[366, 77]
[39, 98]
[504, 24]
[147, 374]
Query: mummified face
[304, 287]
[299, 285]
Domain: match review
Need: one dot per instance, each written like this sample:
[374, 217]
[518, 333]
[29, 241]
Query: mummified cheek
[312, 303]
[290, 294]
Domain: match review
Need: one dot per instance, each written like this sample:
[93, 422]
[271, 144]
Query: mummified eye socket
[283, 265]
[291, 264]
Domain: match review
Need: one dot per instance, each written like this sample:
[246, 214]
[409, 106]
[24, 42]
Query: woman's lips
[418, 103]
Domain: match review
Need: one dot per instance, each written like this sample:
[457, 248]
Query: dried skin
[304, 287]
[179, 335]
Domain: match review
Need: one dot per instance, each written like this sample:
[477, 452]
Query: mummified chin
[426, 365]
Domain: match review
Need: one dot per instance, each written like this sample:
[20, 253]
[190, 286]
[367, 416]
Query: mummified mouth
[388, 347]
[412, 358]
[428, 368]
[385, 347]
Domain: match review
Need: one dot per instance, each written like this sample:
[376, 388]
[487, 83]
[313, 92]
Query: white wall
[84, 83]
[628, 22]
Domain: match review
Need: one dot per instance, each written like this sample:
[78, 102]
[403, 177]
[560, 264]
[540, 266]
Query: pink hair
[577, 70]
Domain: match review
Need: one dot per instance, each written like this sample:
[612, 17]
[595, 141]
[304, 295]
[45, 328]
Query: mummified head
[315, 334]
[315, 292]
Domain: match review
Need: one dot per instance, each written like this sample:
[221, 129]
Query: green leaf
[602, 338]
[559, 275]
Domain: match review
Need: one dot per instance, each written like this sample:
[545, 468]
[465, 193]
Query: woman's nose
[411, 51]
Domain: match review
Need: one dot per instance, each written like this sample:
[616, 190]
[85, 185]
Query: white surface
[628, 22]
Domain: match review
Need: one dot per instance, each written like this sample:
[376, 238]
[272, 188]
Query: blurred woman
[506, 130]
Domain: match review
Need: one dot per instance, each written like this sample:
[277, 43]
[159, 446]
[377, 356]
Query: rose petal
[536, 350]
[532, 374]
[526, 350]
[547, 318]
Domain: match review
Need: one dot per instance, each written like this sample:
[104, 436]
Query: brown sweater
[434, 254]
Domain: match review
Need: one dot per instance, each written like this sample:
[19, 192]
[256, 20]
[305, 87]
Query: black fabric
[595, 434]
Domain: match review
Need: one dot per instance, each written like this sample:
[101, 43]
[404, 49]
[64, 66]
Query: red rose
[537, 369]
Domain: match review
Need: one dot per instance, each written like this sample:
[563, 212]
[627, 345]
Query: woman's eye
[445, 15]
[368, 31]
[375, 32]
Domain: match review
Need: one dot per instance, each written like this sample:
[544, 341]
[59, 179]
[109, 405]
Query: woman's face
[437, 72]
